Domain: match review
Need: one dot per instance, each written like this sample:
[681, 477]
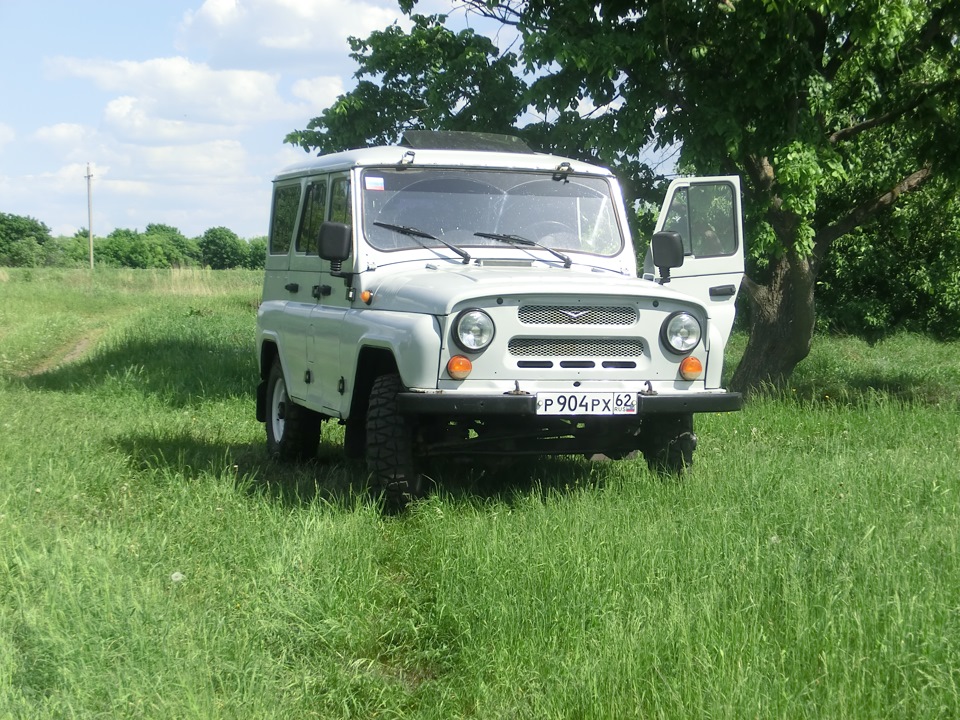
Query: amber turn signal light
[690, 368]
[459, 367]
[366, 296]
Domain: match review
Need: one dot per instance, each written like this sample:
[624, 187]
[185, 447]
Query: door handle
[722, 291]
[292, 287]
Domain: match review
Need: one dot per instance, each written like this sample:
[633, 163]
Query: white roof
[392, 155]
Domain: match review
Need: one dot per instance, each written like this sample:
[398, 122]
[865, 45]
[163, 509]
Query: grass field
[154, 564]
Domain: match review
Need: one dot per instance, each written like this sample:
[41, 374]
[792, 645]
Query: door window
[340, 210]
[314, 209]
[704, 217]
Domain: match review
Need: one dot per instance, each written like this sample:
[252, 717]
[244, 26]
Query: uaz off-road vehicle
[461, 295]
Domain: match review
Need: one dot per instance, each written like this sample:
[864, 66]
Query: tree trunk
[782, 319]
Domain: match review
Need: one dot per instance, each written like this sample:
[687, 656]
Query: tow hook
[516, 389]
[649, 390]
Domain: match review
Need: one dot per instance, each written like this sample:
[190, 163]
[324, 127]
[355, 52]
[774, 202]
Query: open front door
[706, 212]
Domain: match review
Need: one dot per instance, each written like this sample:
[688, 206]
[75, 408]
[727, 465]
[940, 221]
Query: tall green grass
[154, 564]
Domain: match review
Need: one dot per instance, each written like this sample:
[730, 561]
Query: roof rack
[459, 140]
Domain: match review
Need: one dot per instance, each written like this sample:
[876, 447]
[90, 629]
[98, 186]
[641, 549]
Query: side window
[712, 223]
[340, 210]
[314, 208]
[286, 200]
[703, 214]
[678, 217]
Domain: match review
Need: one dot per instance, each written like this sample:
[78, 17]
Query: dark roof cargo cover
[455, 140]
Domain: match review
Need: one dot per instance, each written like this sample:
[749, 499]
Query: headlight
[473, 330]
[681, 332]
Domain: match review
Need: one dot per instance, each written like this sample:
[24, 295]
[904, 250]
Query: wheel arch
[269, 352]
[372, 362]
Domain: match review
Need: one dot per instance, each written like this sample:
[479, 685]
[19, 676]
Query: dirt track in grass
[66, 354]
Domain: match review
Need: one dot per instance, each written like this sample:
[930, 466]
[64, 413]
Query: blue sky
[180, 107]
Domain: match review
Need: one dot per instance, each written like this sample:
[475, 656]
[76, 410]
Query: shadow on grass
[181, 371]
[329, 478]
[513, 480]
[332, 479]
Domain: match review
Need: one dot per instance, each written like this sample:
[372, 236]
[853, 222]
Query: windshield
[571, 212]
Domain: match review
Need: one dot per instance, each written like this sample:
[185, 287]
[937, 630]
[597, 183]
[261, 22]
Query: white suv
[460, 295]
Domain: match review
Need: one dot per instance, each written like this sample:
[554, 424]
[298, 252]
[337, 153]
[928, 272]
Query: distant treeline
[26, 242]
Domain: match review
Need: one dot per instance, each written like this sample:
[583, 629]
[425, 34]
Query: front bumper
[414, 403]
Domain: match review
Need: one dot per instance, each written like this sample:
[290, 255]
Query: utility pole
[90, 214]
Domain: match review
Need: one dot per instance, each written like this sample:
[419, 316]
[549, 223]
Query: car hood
[439, 290]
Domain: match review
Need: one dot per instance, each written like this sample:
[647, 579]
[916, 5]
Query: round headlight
[681, 332]
[473, 330]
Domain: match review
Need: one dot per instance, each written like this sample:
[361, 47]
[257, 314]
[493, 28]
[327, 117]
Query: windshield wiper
[517, 240]
[416, 233]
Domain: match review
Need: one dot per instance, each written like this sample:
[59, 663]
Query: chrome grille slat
[575, 347]
[576, 315]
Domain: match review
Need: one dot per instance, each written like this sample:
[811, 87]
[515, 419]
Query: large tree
[831, 111]
[430, 78]
[222, 249]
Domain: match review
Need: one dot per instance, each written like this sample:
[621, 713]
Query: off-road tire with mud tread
[389, 446]
[670, 445]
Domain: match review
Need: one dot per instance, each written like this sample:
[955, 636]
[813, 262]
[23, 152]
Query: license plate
[586, 403]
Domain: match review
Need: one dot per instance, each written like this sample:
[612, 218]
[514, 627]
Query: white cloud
[287, 42]
[7, 135]
[286, 156]
[134, 188]
[318, 92]
[179, 89]
[218, 12]
[219, 161]
[131, 119]
[65, 178]
[244, 32]
[69, 134]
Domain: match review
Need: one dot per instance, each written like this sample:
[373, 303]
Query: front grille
[575, 347]
[576, 315]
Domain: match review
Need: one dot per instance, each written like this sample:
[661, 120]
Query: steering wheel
[548, 227]
[560, 233]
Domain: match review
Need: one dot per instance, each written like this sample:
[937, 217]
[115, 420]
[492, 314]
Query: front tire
[389, 447]
[293, 431]
[670, 445]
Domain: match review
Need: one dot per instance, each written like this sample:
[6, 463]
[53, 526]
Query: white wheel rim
[278, 409]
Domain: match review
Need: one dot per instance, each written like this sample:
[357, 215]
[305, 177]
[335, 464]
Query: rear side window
[286, 200]
[314, 207]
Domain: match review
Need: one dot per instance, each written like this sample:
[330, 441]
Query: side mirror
[335, 243]
[667, 249]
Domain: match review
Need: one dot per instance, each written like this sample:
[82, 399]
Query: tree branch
[934, 29]
[895, 114]
[502, 12]
[842, 54]
[854, 130]
[867, 210]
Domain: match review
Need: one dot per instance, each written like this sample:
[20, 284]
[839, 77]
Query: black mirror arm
[336, 271]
